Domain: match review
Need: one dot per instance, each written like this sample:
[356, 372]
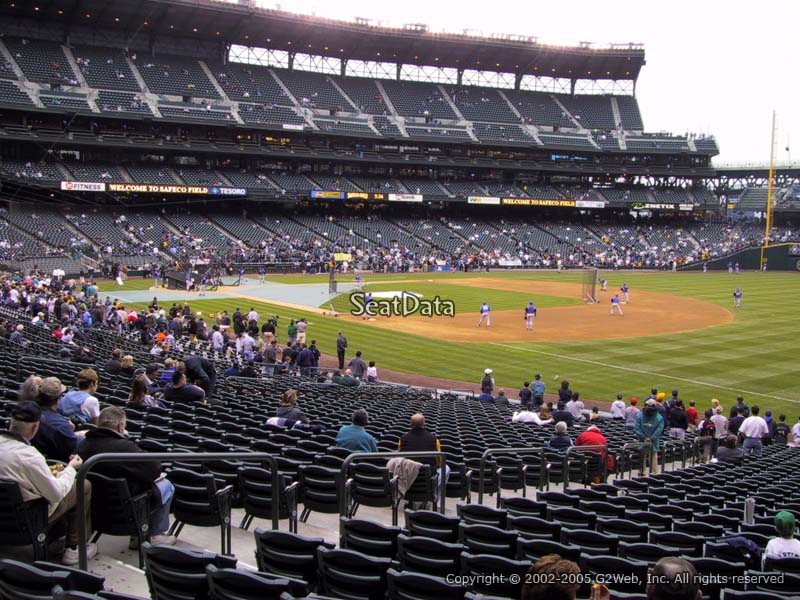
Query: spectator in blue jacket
[649, 428]
[56, 437]
[354, 437]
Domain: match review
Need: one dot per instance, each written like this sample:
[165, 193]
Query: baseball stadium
[303, 307]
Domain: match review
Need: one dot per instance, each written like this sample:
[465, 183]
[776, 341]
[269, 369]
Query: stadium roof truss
[211, 27]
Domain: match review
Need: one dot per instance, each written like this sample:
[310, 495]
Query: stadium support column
[399, 70]
[769, 189]
[291, 61]
[517, 81]
[460, 77]
[343, 70]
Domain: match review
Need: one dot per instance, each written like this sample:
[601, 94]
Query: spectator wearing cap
[487, 383]
[753, 429]
[81, 404]
[740, 405]
[234, 370]
[56, 437]
[22, 463]
[618, 408]
[674, 400]
[649, 427]
[594, 437]
[560, 440]
[142, 476]
[631, 412]
[677, 420]
[354, 437]
[785, 545]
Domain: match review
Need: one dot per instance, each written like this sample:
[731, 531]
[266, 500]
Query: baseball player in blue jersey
[358, 280]
[241, 276]
[203, 282]
[624, 289]
[530, 314]
[188, 280]
[615, 306]
[262, 273]
[367, 302]
[603, 284]
[737, 297]
[156, 276]
[485, 315]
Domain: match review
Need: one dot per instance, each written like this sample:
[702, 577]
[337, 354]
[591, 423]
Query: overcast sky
[712, 66]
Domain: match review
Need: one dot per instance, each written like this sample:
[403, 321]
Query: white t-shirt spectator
[91, 407]
[721, 424]
[782, 548]
[796, 433]
[754, 427]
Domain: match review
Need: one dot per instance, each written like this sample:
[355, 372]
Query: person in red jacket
[594, 437]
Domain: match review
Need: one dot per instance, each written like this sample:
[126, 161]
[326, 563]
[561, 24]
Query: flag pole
[769, 189]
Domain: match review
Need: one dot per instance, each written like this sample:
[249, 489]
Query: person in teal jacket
[649, 427]
[354, 437]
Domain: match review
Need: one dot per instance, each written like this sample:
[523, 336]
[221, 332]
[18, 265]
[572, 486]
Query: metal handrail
[515, 450]
[354, 456]
[579, 450]
[198, 457]
[626, 450]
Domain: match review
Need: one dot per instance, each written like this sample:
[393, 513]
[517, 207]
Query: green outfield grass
[464, 297]
[755, 355]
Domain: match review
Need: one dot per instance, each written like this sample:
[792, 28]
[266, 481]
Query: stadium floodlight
[418, 27]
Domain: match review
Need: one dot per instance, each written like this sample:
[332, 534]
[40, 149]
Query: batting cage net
[590, 286]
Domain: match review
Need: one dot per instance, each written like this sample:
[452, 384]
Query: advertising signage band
[327, 195]
[194, 190]
[483, 200]
[405, 197]
[83, 186]
[538, 202]
[332, 195]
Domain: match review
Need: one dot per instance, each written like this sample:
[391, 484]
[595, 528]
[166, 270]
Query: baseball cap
[26, 412]
[619, 396]
[634, 400]
[51, 387]
[785, 523]
[651, 402]
[488, 371]
[537, 376]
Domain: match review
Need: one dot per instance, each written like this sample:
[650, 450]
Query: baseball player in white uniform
[485, 315]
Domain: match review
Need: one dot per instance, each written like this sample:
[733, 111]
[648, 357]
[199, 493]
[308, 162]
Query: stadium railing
[188, 457]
